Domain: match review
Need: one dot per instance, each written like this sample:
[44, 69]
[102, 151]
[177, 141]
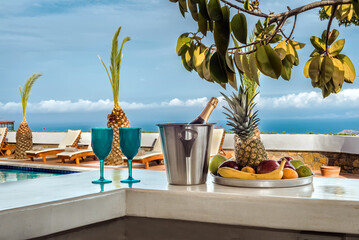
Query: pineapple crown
[239, 115]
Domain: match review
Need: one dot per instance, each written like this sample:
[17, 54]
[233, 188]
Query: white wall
[285, 142]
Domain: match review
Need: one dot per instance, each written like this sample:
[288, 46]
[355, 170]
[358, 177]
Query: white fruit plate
[281, 183]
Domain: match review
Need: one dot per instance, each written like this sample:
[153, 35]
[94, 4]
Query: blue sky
[62, 38]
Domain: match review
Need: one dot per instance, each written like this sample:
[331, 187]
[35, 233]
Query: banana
[233, 173]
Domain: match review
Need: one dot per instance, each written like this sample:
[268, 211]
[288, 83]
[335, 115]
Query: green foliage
[116, 59]
[328, 69]
[270, 51]
[25, 92]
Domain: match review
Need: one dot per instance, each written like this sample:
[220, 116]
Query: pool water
[10, 174]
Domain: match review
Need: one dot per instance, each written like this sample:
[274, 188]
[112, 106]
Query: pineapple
[23, 133]
[248, 148]
[117, 118]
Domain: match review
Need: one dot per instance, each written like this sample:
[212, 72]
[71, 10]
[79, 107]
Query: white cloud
[345, 101]
[348, 98]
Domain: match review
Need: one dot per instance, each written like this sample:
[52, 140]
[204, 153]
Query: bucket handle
[188, 143]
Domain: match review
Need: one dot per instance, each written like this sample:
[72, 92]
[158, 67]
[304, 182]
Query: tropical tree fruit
[289, 173]
[23, 133]
[248, 149]
[117, 118]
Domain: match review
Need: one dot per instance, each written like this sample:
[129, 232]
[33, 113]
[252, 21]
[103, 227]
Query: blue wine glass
[130, 142]
[101, 143]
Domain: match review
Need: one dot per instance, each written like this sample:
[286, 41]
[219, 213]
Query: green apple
[296, 163]
[214, 163]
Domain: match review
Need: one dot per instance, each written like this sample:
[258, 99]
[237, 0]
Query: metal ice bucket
[186, 151]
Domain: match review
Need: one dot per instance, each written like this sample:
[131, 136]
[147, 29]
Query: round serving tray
[282, 183]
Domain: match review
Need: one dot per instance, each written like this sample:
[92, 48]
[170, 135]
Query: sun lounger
[70, 140]
[154, 155]
[76, 154]
[5, 148]
[217, 142]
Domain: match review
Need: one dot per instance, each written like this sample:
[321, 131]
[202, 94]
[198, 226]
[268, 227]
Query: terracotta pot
[330, 171]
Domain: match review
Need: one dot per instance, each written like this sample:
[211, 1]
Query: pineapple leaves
[25, 92]
[116, 59]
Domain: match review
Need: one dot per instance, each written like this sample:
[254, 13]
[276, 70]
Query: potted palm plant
[117, 118]
[23, 133]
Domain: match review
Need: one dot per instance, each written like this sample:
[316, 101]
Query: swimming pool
[13, 174]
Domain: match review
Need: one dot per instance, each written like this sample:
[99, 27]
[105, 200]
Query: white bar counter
[38, 207]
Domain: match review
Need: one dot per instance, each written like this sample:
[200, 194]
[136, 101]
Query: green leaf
[333, 35]
[349, 70]
[315, 53]
[239, 27]
[192, 5]
[198, 57]
[268, 61]
[281, 49]
[306, 68]
[182, 6]
[232, 80]
[314, 68]
[318, 43]
[214, 10]
[253, 68]
[245, 66]
[286, 69]
[183, 43]
[217, 67]
[337, 47]
[338, 74]
[296, 45]
[237, 61]
[290, 53]
[208, 55]
[327, 68]
[222, 32]
[356, 6]
[229, 63]
[206, 73]
[246, 4]
[203, 9]
[202, 24]
[235, 42]
[276, 38]
[184, 62]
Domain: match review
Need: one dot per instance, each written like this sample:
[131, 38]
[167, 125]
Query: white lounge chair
[5, 148]
[76, 155]
[217, 142]
[70, 140]
[154, 155]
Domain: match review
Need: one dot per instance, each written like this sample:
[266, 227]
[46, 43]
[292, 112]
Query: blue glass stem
[130, 169]
[101, 170]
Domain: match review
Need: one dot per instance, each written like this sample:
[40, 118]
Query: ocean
[324, 126]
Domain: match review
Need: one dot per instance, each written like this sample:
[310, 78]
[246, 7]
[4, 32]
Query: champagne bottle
[203, 117]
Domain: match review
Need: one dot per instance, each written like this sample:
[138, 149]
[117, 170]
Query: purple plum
[230, 164]
[267, 166]
[287, 164]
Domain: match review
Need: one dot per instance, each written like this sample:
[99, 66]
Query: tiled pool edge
[46, 167]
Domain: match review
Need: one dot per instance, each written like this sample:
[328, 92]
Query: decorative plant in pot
[117, 118]
[23, 133]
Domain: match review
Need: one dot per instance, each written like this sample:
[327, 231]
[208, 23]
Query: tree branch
[294, 24]
[289, 13]
[334, 9]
